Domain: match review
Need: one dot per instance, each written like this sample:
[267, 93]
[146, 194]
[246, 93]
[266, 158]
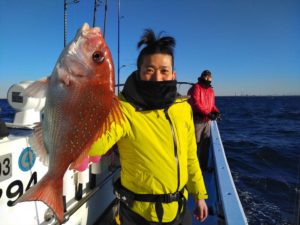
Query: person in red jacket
[202, 100]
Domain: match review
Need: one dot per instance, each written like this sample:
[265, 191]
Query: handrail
[232, 207]
[178, 82]
[88, 195]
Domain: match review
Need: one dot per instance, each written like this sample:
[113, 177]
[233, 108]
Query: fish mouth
[85, 26]
[87, 30]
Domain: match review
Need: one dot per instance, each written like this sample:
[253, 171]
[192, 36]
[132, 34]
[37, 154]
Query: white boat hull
[21, 169]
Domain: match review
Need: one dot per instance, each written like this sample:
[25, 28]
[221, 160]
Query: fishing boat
[88, 195]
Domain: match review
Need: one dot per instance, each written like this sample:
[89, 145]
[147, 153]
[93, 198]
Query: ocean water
[261, 137]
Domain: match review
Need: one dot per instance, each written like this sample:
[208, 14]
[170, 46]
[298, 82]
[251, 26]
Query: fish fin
[38, 88]
[49, 191]
[37, 144]
[115, 116]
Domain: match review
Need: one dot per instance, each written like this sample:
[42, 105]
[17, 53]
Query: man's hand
[214, 116]
[201, 211]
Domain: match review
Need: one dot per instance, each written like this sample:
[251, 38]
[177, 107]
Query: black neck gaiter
[147, 95]
[205, 83]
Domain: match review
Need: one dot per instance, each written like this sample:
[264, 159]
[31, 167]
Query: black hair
[206, 73]
[155, 44]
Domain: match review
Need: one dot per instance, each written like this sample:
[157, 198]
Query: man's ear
[174, 75]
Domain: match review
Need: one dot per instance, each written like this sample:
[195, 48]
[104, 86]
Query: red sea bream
[79, 97]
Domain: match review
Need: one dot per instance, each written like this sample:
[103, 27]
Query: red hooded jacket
[202, 101]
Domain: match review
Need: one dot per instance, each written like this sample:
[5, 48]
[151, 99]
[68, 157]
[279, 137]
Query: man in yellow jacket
[156, 142]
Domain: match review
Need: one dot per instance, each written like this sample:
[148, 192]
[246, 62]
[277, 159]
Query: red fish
[79, 97]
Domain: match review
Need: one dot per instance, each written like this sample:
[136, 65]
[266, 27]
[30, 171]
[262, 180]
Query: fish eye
[98, 57]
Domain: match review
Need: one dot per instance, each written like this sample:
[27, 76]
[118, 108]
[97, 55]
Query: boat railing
[111, 176]
[182, 87]
[231, 205]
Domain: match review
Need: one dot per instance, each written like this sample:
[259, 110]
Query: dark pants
[128, 217]
[202, 130]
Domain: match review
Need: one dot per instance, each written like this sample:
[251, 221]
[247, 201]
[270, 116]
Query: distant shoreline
[257, 95]
[238, 96]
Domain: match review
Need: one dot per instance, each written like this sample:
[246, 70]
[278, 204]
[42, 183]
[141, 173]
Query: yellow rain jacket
[152, 161]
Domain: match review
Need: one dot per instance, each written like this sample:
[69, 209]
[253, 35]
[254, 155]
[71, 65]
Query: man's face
[157, 67]
[209, 78]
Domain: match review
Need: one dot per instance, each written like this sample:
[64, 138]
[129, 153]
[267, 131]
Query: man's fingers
[204, 214]
[197, 213]
[201, 210]
[201, 214]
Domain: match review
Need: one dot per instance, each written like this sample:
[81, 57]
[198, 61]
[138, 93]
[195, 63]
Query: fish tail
[49, 191]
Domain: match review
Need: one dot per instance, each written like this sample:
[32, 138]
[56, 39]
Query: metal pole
[65, 23]
[105, 13]
[95, 9]
[65, 18]
[118, 46]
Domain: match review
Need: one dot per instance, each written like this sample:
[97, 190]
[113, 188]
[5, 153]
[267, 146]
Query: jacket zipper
[175, 148]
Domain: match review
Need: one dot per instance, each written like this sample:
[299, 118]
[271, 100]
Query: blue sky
[251, 46]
